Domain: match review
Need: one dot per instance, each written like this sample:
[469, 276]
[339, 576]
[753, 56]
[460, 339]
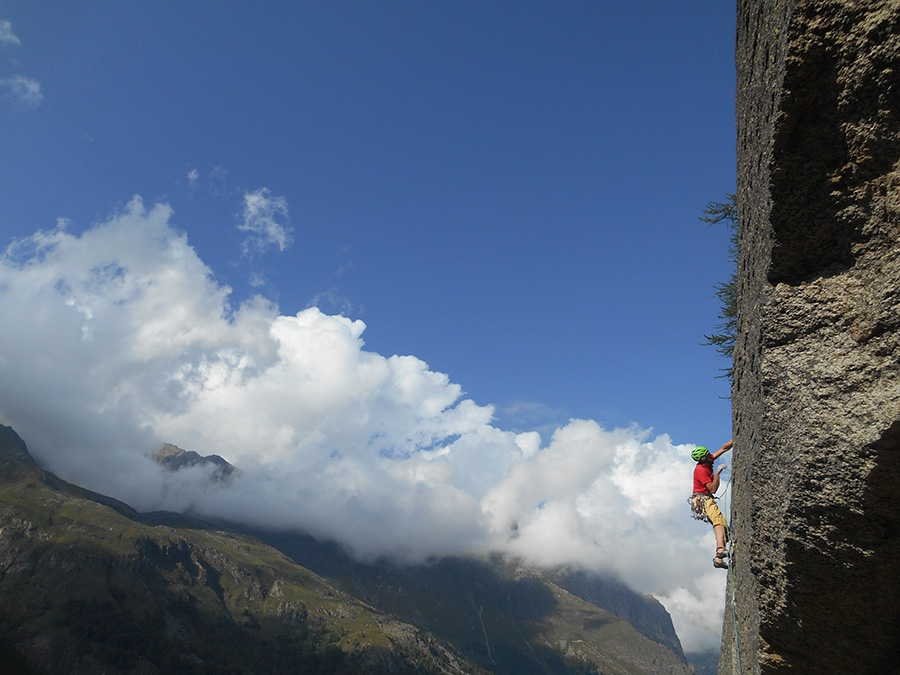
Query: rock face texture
[815, 579]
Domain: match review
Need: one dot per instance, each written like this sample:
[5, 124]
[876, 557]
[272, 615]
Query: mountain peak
[173, 458]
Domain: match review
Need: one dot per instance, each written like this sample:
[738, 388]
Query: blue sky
[508, 192]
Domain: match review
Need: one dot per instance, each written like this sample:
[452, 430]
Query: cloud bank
[119, 339]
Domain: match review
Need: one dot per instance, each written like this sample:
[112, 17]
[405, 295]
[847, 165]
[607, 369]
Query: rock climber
[703, 500]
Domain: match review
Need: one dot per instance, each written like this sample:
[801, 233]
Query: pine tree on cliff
[726, 332]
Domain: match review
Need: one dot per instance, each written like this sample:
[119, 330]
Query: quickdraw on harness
[698, 502]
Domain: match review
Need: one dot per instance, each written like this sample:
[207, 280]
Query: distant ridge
[173, 458]
[530, 619]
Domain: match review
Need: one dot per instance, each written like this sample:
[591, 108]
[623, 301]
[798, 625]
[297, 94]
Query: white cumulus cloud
[120, 339]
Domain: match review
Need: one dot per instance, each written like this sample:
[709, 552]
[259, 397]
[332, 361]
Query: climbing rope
[730, 544]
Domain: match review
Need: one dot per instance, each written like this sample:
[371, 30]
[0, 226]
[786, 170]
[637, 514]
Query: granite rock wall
[815, 580]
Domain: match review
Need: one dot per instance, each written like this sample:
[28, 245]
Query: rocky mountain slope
[816, 394]
[87, 585]
[509, 618]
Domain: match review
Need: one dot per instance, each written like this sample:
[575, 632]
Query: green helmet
[699, 453]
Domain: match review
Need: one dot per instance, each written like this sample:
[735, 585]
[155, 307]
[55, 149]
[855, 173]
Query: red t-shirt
[703, 474]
